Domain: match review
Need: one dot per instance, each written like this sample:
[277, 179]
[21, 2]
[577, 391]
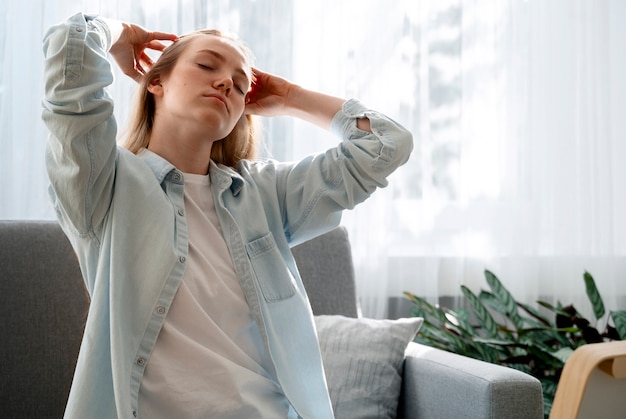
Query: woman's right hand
[129, 44]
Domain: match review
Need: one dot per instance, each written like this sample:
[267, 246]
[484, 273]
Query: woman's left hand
[269, 94]
[272, 95]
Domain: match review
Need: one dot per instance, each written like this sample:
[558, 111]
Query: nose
[224, 83]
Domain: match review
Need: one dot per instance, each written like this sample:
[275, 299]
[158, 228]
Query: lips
[218, 97]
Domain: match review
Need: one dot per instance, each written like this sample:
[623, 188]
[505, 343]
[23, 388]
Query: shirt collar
[221, 175]
[225, 177]
[159, 166]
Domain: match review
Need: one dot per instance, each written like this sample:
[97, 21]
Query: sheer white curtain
[524, 100]
[517, 109]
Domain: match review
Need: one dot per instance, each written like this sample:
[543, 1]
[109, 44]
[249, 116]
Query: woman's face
[206, 89]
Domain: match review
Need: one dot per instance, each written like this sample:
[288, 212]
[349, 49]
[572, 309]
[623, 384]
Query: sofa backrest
[326, 268]
[43, 307]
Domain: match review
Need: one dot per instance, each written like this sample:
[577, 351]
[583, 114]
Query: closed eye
[240, 89]
[241, 84]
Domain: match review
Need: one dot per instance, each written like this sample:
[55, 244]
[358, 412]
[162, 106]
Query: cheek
[239, 106]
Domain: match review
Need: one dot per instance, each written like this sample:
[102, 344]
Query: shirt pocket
[274, 278]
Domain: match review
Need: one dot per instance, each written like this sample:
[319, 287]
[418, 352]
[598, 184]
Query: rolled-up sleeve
[378, 153]
[318, 188]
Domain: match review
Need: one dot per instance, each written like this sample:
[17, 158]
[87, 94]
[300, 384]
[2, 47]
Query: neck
[188, 153]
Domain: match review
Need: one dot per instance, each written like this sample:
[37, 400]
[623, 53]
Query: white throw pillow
[363, 360]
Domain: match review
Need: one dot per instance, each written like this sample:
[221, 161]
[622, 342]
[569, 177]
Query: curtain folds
[517, 109]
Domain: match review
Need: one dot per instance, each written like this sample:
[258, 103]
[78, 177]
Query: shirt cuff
[345, 120]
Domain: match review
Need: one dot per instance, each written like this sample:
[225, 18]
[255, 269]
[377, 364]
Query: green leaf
[459, 320]
[505, 298]
[488, 323]
[427, 309]
[430, 333]
[416, 312]
[546, 330]
[535, 313]
[556, 310]
[442, 338]
[563, 354]
[490, 301]
[496, 342]
[594, 296]
[546, 354]
[429, 328]
[435, 331]
[548, 336]
[619, 320]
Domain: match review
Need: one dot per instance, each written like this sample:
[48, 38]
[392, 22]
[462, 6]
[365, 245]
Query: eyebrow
[223, 59]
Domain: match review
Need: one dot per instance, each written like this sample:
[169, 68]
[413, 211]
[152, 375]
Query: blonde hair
[239, 145]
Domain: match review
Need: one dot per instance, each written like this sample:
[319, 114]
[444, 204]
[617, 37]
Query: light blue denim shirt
[124, 215]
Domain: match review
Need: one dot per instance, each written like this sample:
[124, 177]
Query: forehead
[220, 48]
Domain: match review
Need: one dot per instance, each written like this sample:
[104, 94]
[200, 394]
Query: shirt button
[181, 212]
[176, 176]
[160, 310]
[79, 29]
[141, 361]
[182, 259]
[134, 413]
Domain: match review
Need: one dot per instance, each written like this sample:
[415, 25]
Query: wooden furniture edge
[609, 357]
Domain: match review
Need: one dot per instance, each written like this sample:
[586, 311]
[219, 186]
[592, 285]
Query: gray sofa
[43, 308]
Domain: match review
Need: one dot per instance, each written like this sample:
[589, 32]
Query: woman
[197, 308]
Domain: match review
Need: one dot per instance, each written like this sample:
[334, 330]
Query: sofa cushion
[363, 361]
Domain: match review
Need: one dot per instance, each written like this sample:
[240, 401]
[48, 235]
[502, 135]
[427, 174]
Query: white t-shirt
[209, 360]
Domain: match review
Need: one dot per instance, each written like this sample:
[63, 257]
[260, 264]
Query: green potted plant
[498, 329]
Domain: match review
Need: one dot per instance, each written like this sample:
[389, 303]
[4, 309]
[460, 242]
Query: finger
[253, 92]
[156, 45]
[256, 74]
[146, 60]
[260, 73]
[162, 36]
[138, 60]
[256, 79]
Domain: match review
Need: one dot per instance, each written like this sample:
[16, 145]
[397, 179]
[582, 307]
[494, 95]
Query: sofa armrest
[440, 384]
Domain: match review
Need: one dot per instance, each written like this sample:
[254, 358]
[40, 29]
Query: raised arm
[78, 111]
[314, 191]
